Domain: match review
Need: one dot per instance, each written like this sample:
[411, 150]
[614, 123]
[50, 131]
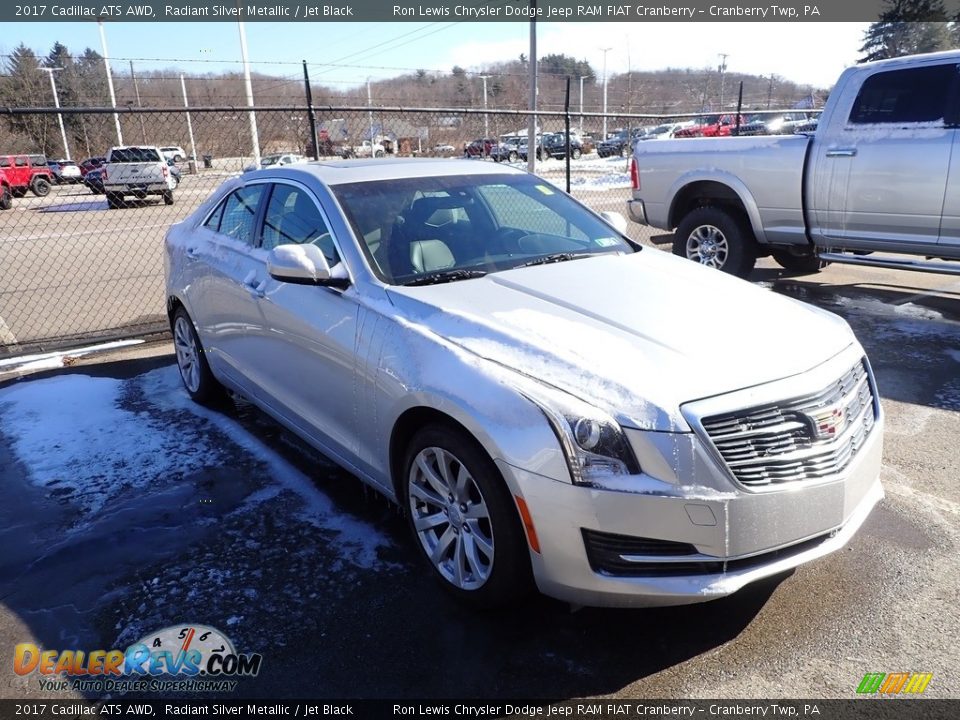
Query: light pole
[486, 118]
[370, 116]
[605, 51]
[722, 68]
[193, 146]
[56, 104]
[248, 84]
[113, 96]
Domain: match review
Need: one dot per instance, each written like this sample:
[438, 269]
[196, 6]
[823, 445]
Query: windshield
[410, 228]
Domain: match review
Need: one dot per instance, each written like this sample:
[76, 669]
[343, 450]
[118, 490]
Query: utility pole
[113, 96]
[56, 104]
[605, 51]
[722, 68]
[770, 91]
[254, 135]
[314, 137]
[486, 118]
[370, 115]
[193, 146]
[136, 88]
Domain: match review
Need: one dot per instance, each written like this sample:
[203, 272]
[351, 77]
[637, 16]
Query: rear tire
[114, 200]
[6, 198]
[718, 239]
[808, 263]
[40, 187]
[168, 197]
[575, 153]
[463, 518]
[195, 373]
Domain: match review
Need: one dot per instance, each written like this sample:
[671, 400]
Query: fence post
[566, 123]
[311, 114]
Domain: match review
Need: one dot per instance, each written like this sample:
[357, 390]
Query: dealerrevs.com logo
[901, 683]
[187, 657]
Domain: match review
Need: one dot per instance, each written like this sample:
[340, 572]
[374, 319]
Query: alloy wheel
[708, 245]
[185, 344]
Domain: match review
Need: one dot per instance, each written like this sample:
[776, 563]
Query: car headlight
[593, 442]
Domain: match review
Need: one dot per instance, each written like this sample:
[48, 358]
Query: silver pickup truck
[137, 170]
[881, 174]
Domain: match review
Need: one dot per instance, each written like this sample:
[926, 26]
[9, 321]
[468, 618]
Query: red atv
[27, 172]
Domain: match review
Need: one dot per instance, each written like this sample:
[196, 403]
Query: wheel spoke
[431, 477]
[426, 494]
[460, 491]
[428, 522]
[443, 544]
[459, 561]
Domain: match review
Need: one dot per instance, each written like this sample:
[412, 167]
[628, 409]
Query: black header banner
[440, 10]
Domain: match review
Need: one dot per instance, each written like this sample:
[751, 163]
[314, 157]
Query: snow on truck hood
[635, 335]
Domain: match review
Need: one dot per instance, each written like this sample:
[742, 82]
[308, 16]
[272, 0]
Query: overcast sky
[345, 54]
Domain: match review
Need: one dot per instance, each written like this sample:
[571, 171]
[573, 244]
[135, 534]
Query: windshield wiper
[553, 258]
[445, 277]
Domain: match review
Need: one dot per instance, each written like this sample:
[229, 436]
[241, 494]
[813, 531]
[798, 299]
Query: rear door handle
[842, 152]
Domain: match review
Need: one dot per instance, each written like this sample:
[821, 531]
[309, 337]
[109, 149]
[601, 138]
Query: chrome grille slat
[778, 443]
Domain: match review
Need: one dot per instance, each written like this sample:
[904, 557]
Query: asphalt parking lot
[128, 509]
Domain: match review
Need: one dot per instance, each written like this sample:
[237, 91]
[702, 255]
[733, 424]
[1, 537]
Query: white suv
[173, 152]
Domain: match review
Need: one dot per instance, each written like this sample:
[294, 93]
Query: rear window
[135, 155]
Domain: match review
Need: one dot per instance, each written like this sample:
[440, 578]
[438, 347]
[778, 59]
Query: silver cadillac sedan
[551, 404]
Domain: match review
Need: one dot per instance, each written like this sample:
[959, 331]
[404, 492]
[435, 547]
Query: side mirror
[618, 221]
[299, 264]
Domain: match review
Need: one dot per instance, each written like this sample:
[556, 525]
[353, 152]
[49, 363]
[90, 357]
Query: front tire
[718, 239]
[807, 264]
[464, 519]
[40, 187]
[6, 198]
[195, 373]
[575, 153]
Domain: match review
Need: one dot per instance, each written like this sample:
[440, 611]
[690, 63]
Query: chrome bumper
[637, 211]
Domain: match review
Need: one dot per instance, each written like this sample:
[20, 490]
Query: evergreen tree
[907, 27]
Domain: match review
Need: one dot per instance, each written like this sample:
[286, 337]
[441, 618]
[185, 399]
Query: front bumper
[746, 535]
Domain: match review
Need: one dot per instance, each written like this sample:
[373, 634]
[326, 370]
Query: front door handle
[842, 152]
[254, 287]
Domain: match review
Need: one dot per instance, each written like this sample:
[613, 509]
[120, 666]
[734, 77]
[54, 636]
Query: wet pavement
[128, 509]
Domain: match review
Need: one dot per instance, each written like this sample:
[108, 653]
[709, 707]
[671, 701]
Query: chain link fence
[75, 271]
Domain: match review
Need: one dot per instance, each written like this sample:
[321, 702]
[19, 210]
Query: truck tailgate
[134, 173]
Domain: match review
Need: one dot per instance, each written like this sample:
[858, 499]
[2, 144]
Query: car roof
[339, 172]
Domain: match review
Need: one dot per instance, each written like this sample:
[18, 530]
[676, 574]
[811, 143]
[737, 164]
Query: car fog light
[587, 433]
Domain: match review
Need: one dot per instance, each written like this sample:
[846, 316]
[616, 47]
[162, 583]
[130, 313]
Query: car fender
[727, 179]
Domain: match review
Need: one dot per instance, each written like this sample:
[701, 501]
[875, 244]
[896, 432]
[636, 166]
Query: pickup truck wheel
[464, 519]
[808, 263]
[168, 197]
[6, 198]
[114, 200]
[717, 239]
[40, 187]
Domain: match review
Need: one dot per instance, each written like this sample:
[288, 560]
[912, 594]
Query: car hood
[635, 335]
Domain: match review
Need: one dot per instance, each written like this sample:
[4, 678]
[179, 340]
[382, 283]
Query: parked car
[507, 150]
[366, 149]
[175, 171]
[27, 172]
[467, 342]
[617, 145]
[276, 159]
[775, 124]
[94, 180]
[64, 171]
[6, 194]
[665, 131]
[876, 177]
[480, 147]
[711, 126]
[554, 145]
[137, 170]
[173, 152]
[91, 163]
